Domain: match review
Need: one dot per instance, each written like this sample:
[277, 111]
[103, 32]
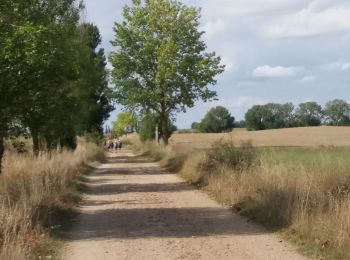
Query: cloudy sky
[274, 50]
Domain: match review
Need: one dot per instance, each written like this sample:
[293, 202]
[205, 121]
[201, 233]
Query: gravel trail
[134, 210]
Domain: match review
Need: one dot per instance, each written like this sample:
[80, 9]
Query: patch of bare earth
[134, 210]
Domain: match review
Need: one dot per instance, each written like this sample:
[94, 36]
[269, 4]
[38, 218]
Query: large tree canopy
[36, 60]
[270, 116]
[53, 79]
[337, 112]
[217, 120]
[309, 114]
[160, 63]
[125, 123]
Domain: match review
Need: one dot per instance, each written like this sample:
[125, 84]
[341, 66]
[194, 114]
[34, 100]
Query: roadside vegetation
[37, 195]
[53, 88]
[53, 81]
[304, 193]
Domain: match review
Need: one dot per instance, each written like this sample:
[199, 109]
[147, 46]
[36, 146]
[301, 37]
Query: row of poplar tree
[53, 81]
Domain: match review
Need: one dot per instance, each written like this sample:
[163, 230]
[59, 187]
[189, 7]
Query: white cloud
[319, 17]
[248, 101]
[212, 28]
[308, 79]
[231, 66]
[244, 7]
[336, 66]
[276, 72]
[345, 66]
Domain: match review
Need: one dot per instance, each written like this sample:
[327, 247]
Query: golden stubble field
[290, 137]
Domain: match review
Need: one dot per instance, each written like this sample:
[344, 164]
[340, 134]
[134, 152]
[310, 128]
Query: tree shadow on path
[160, 222]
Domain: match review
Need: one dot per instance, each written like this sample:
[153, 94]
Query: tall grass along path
[134, 210]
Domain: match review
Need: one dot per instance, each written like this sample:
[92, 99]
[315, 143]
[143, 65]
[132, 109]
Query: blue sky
[274, 50]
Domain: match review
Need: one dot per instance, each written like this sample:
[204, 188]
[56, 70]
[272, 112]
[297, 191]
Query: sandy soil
[134, 210]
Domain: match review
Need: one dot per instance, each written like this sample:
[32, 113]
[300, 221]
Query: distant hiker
[110, 144]
[115, 144]
[120, 144]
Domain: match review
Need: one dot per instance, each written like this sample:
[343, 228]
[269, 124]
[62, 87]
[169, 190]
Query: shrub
[226, 155]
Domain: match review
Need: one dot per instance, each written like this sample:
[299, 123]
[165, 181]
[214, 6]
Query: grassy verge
[37, 197]
[304, 193]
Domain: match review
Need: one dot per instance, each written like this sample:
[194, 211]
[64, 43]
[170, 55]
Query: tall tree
[337, 112]
[270, 116]
[150, 124]
[278, 115]
[217, 120]
[255, 118]
[94, 81]
[53, 79]
[148, 127]
[160, 63]
[37, 57]
[309, 114]
[7, 94]
[125, 123]
[288, 115]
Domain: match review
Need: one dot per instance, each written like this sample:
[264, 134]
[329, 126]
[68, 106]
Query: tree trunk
[156, 134]
[2, 148]
[35, 137]
[49, 146]
[164, 126]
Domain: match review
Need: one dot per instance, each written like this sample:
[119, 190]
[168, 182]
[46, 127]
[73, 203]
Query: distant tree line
[273, 115]
[53, 81]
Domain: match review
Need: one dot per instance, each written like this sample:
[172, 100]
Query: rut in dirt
[134, 210]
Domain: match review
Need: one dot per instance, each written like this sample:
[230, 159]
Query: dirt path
[133, 210]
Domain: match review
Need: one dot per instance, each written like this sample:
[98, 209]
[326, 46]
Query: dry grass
[303, 192]
[291, 137]
[32, 190]
[167, 157]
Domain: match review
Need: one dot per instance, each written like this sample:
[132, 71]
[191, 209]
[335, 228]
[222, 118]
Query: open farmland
[289, 137]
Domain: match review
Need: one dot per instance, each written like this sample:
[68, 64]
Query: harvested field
[289, 137]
